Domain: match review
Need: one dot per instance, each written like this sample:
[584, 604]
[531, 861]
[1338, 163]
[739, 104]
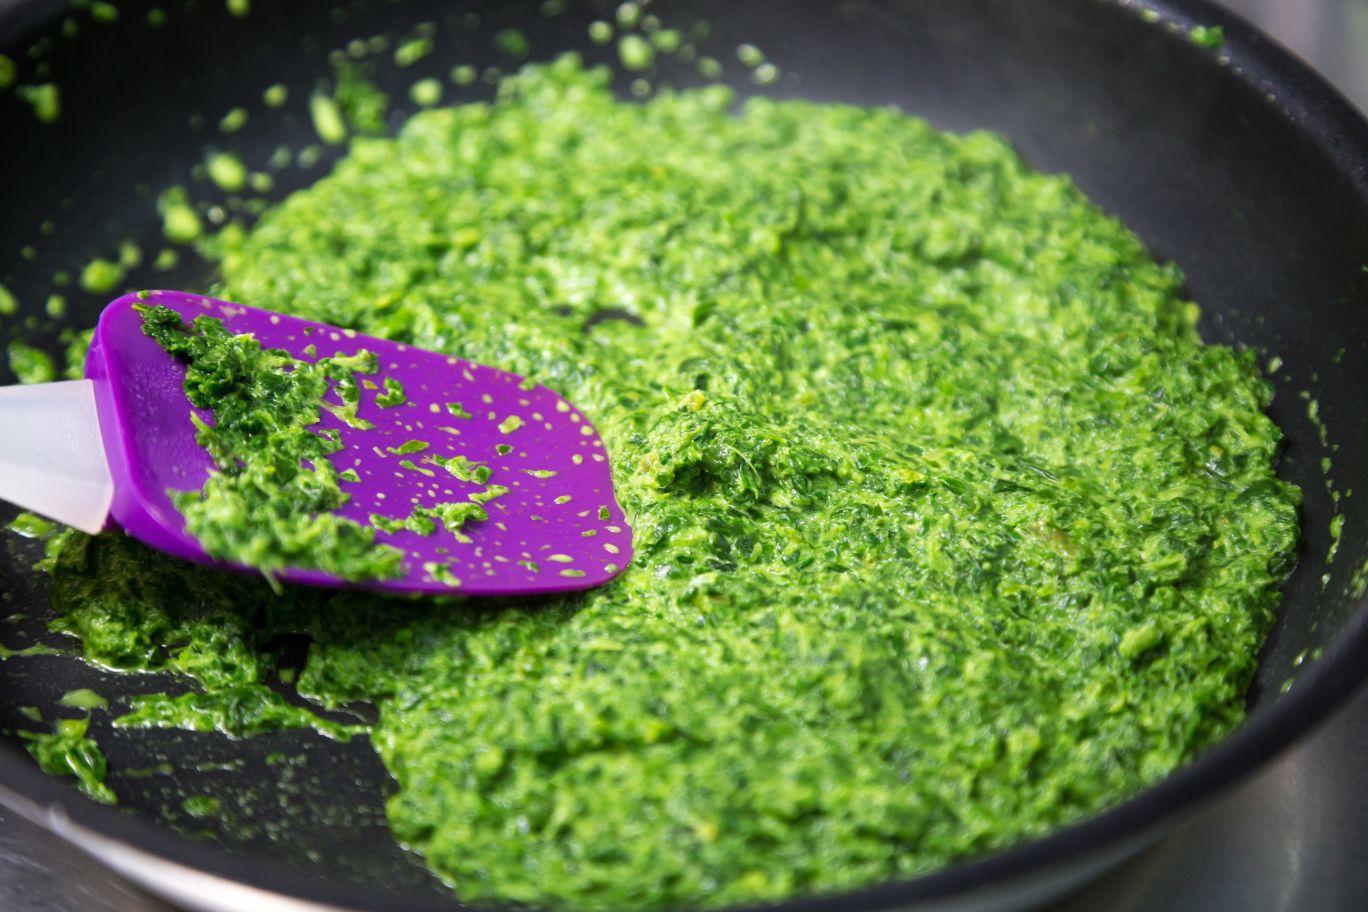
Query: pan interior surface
[1238, 171]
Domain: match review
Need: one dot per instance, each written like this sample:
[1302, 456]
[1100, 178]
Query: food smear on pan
[950, 530]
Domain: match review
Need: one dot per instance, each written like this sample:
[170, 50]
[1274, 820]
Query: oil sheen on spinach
[950, 530]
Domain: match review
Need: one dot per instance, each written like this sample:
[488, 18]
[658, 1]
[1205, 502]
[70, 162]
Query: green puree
[950, 530]
[270, 502]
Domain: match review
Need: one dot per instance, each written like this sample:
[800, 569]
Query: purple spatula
[106, 452]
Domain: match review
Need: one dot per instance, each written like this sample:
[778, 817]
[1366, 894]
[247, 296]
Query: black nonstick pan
[1236, 162]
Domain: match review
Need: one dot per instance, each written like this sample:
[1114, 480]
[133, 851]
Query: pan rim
[1338, 131]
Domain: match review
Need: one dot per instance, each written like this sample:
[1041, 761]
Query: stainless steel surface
[1293, 838]
[39, 872]
[1330, 34]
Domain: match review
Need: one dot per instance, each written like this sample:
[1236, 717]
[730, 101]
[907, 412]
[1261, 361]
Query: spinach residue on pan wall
[950, 531]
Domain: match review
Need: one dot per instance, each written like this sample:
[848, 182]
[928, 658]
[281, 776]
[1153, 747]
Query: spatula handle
[52, 460]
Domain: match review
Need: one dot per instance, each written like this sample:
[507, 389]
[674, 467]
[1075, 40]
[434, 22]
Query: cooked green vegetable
[67, 750]
[101, 276]
[358, 99]
[411, 51]
[270, 503]
[234, 120]
[228, 171]
[180, 222]
[426, 93]
[45, 99]
[950, 531]
[276, 95]
[327, 119]
[393, 395]
[635, 52]
[31, 525]
[600, 32]
[29, 364]
[1208, 36]
[513, 42]
[83, 698]
[201, 806]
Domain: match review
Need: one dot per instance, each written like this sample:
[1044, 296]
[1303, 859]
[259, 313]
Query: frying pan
[1237, 163]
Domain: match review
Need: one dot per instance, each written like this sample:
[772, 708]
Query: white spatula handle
[52, 460]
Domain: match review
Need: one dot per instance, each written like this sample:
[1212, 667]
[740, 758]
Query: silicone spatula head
[429, 431]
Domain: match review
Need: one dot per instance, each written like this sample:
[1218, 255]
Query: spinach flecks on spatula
[270, 503]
